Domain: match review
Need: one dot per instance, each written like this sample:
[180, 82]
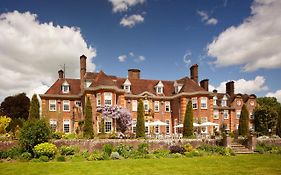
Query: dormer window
[224, 101]
[65, 87]
[177, 87]
[87, 83]
[159, 88]
[127, 85]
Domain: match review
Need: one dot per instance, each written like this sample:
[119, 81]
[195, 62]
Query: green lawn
[240, 164]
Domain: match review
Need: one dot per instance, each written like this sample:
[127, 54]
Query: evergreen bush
[140, 127]
[188, 121]
[88, 123]
[244, 122]
[34, 113]
[45, 149]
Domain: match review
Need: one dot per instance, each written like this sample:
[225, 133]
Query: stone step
[240, 149]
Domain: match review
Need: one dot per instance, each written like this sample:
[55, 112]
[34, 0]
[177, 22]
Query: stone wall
[273, 142]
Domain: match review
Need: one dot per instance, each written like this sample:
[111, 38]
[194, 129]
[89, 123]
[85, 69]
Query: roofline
[102, 87]
[59, 96]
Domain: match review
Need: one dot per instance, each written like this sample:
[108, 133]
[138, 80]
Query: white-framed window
[127, 88]
[156, 106]
[194, 102]
[237, 126]
[204, 103]
[225, 114]
[134, 105]
[53, 124]
[66, 105]
[156, 129]
[146, 105]
[178, 88]
[65, 87]
[159, 90]
[107, 99]
[108, 125]
[216, 114]
[146, 130]
[224, 101]
[87, 83]
[134, 126]
[98, 99]
[167, 106]
[66, 126]
[251, 115]
[78, 103]
[215, 98]
[168, 127]
[238, 113]
[52, 105]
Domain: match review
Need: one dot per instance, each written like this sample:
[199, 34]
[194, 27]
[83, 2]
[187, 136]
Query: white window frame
[52, 102]
[194, 103]
[215, 98]
[65, 88]
[156, 106]
[238, 114]
[167, 106]
[64, 103]
[156, 129]
[87, 83]
[78, 103]
[106, 124]
[108, 98]
[251, 115]
[134, 105]
[127, 88]
[216, 113]
[134, 126]
[66, 122]
[98, 99]
[53, 123]
[224, 101]
[237, 126]
[146, 105]
[204, 100]
[167, 127]
[225, 114]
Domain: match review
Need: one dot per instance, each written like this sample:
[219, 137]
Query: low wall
[272, 142]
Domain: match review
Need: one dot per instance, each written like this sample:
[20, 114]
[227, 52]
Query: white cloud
[122, 58]
[187, 58]
[131, 21]
[255, 43]
[276, 94]
[141, 58]
[132, 54]
[31, 53]
[244, 86]
[205, 18]
[124, 5]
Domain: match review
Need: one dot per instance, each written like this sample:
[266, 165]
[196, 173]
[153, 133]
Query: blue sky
[163, 39]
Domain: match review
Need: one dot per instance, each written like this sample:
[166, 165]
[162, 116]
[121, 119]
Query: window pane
[134, 105]
[168, 127]
[66, 126]
[52, 105]
[194, 103]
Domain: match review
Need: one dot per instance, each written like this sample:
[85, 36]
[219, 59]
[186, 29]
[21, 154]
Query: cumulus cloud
[187, 58]
[131, 21]
[276, 94]
[124, 5]
[205, 18]
[122, 58]
[255, 43]
[141, 58]
[244, 86]
[31, 53]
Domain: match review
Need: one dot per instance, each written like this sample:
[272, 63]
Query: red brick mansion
[163, 100]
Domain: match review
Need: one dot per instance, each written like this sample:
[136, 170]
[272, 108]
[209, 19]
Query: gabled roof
[102, 80]
[74, 87]
[189, 85]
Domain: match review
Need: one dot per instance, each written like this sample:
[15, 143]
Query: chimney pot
[61, 74]
[134, 74]
[194, 73]
[205, 84]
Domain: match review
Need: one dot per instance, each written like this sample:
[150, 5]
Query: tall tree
[16, 107]
[140, 128]
[34, 113]
[88, 126]
[188, 121]
[244, 121]
[278, 128]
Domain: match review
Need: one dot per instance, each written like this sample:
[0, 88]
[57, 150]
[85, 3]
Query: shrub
[124, 150]
[194, 153]
[26, 156]
[33, 133]
[43, 158]
[216, 150]
[61, 159]
[69, 136]
[115, 156]
[188, 147]
[14, 152]
[143, 148]
[161, 153]
[67, 150]
[85, 154]
[45, 149]
[98, 156]
[3, 154]
[57, 135]
[107, 149]
[176, 149]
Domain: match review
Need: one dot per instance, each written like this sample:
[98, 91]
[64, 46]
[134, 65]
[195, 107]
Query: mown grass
[241, 164]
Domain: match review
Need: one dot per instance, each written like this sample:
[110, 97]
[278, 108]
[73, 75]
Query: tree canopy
[140, 128]
[244, 121]
[88, 126]
[34, 112]
[188, 121]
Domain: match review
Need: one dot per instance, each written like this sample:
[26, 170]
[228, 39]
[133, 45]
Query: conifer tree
[188, 121]
[140, 128]
[34, 113]
[88, 124]
[244, 121]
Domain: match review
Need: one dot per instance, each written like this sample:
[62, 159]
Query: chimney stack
[134, 74]
[61, 74]
[82, 66]
[230, 88]
[194, 73]
[205, 84]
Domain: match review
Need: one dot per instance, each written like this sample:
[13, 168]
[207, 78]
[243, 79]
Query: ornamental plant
[45, 149]
[140, 128]
[34, 113]
[121, 115]
[188, 121]
[244, 122]
[88, 125]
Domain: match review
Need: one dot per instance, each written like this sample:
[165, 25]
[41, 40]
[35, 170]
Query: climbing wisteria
[122, 116]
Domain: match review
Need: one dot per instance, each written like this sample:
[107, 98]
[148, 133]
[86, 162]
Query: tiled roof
[74, 87]
[189, 85]
[102, 79]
